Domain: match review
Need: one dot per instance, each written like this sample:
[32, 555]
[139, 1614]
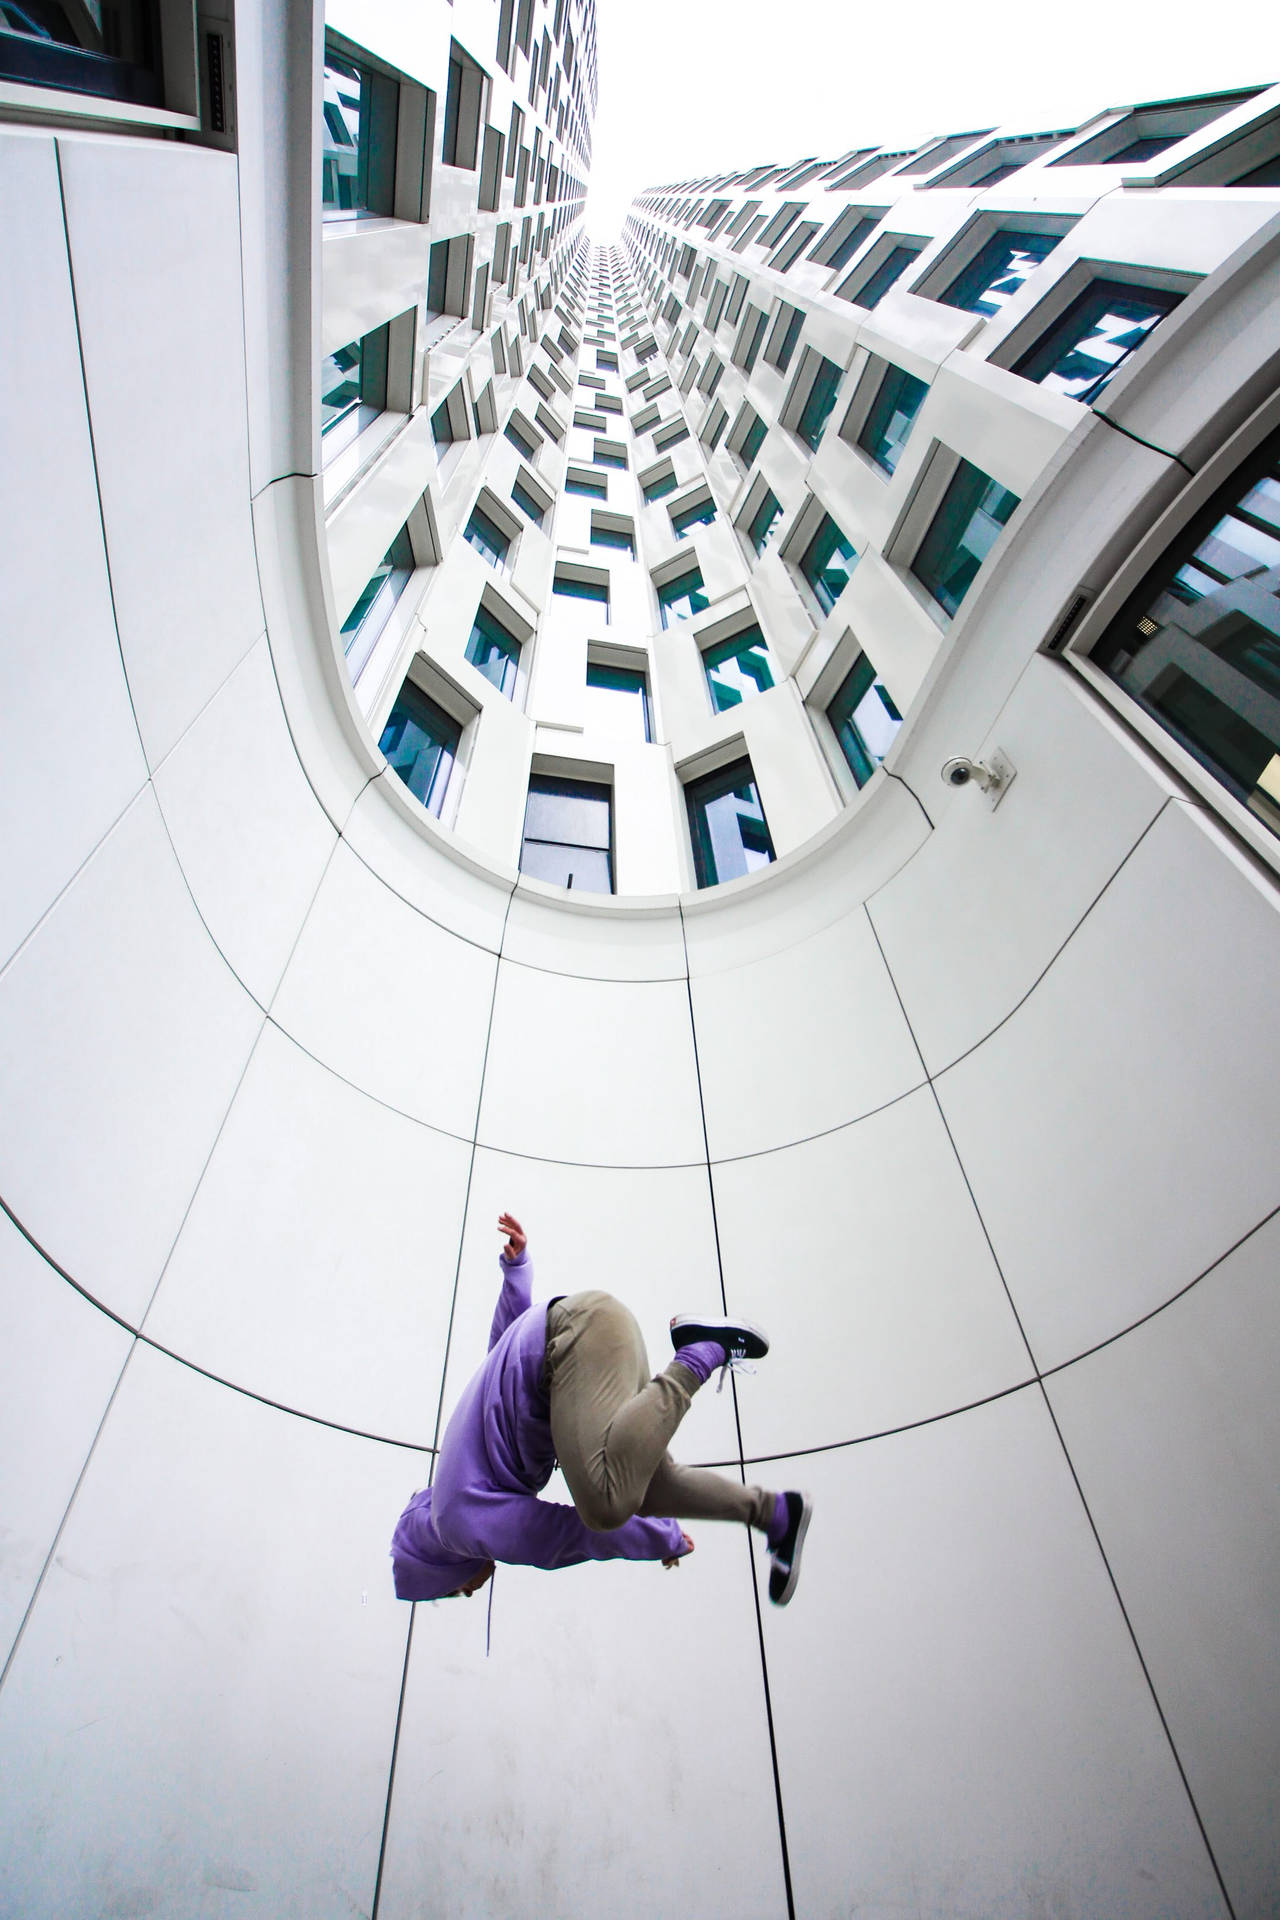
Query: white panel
[317, 1263]
[800, 1041]
[249, 833]
[592, 1070]
[1115, 1128]
[963, 1726]
[122, 1037]
[167, 403]
[611, 1756]
[646, 1235]
[1175, 1432]
[386, 998]
[609, 943]
[969, 925]
[59, 1360]
[72, 758]
[861, 1256]
[199, 1720]
[423, 870]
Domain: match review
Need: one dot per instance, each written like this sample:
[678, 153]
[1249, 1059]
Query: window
[528, 504]
[609, 453]
[572, 586]
[114, 53]
[568, 834]
[681, 597]
[617, 702]
[449, 421]
[1098, 331]
[594, 485]
[737, 668]
[487, 537]
[699, 513]
[661, 484]
[727, 827]
[420, 741]
[864, 719]
[843, 238]
[827, 562]
[1199, 649]
[494, 652]
[358, 133]
[961, 535]
[783, 336]
[372, 610]
[752, 440]
[519, 439]
[819, 401]
[671, 435]
[617, 533]
[763, 521]
[877, 284]
[593, 422]
[998, 271]
[463, 109]
[607, 361]
[353, 389]
[893, 412]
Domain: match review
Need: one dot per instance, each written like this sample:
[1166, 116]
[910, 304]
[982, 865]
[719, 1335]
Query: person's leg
[695, 1493]
[610, 1421]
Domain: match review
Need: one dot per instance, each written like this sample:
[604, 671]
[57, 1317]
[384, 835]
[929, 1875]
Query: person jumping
[569, 1381]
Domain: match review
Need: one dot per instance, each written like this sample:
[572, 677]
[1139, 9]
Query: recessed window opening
[611, 530]
[819, 401]
[827, 562]
[737, 668]
[378, 597]
[764, 520]
[681, 596]
[727, 826]
[353, 389]
[699, 512]
[487, 537]
[578, 480]
[529, 502]
[494, 652]
[999, 271]
[568, 834]
[892, 415]
[869, 290]
[581, 586]
[974, 510]
[864, 719]
[420, 743]
[463, 109]
[617, 704]
[1097, 333]
[657, 482]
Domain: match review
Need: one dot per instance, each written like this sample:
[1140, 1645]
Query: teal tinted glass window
[112, 51]
[752, 440]
[847, 247]
[605, 456]
[727, 827]
[344, 132]
[1143, 149]
[579, 483]
[1198, 645]
[592, 421]
[890, 270]
[655, 489]
[568, 837]
[1096, 334]
[864, 719]
[685, 519]
[618, 702]
[961, 535]
[372, 610]
[998, 271]
[517, 439]
[420, 741]
[827, 562]
[678, 599]
[818, 404]
[486, 537]
[570, 588]
[618, 537]
[527, 504]
[892, 416]
[494, 652]
[761, 525]
[339, 385]
[787, 344]
[737, 669]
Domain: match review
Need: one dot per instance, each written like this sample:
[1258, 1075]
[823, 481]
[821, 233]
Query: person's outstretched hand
[517, 1238]
[676, 1558]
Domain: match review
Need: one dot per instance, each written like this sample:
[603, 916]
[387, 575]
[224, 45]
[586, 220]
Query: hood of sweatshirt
[424, 1568]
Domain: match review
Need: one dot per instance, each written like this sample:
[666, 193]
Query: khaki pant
[611, 1423]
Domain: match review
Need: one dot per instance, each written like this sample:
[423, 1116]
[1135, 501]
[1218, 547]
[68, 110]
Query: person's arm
[525, 1531]
[517, 1277]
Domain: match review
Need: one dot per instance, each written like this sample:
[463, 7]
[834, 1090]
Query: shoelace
[734, 1364]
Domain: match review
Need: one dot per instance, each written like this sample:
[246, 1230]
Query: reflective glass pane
[372, 610]
[818, 404]
[613, 537]
[891, 268]
[83, 46]
[339, 385]
[655, 489]
[752, 440]
[700, 514]
[617, 702]
[344, 166]
[570, 589]
[1199, 646]
[864, 718]
[961, 535]
[420, 741]
[597, 489]
[1098, 331]
[763, 521]
[494, 652]
[999, 271]
[580, 869]
[527, 504]
[892, 416]
[572, 812]
[681, 597]
[486, 537]
[727, 827]
[737, 668]
[827, 562]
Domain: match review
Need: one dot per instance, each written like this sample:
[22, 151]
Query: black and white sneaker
[784, 1563]
[740, 1339]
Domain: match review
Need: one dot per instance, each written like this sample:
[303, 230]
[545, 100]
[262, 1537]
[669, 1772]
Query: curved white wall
[973, 1113]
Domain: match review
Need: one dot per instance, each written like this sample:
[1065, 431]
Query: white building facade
[507, 683]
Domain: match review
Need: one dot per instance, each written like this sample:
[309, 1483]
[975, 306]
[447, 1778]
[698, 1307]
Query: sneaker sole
[806, 1515]
[754, 1346]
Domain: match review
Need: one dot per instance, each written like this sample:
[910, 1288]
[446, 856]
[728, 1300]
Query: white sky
[699, 86]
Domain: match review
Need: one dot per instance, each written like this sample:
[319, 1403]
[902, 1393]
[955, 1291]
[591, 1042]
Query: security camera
[992, 779]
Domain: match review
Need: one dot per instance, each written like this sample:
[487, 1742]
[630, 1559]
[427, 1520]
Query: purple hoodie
[496, 1456]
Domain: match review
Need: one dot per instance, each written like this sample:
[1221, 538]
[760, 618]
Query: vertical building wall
[968, 1106]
